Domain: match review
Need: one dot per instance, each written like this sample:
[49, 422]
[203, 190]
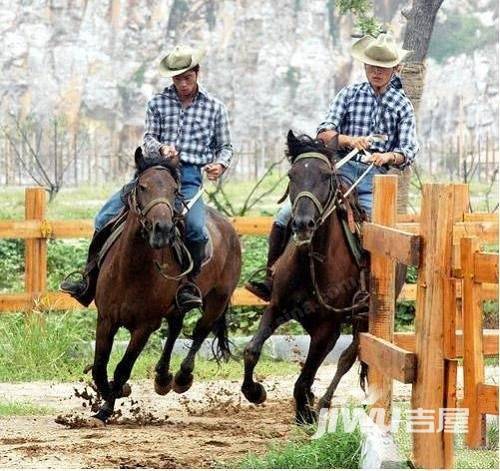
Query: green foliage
[460, 34]
[11, 264]
[362, 10]
[340, 449]
[23, 408]
[57, 347]
[63, 257]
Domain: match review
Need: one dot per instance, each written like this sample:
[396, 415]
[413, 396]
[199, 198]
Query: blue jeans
[195, 218]
[349, 172]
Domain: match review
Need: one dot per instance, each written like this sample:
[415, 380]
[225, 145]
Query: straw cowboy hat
[381, 51]
[181, 59]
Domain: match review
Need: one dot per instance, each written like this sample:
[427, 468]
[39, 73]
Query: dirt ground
[211, 425]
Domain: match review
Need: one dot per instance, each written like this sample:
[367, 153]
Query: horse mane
[303, 143]
[142, 164]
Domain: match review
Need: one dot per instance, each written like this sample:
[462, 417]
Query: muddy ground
[211, 425]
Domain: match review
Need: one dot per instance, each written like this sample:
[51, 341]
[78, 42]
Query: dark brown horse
[132, 293]
[315, 279]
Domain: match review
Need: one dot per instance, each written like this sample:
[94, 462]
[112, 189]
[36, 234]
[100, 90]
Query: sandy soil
[208, 426]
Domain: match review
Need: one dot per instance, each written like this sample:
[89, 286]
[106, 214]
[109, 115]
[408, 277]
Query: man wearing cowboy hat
[359, 112]
[183, 121]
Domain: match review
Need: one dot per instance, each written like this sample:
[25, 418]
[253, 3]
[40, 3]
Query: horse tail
[222, 350]
[360, 324]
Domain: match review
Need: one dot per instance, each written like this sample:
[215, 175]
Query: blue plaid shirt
[357, 111]
[200, 132]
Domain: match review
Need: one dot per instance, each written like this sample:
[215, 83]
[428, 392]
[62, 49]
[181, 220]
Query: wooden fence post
[429, 392]
[473, 343]
[35, 249]
[382, 287]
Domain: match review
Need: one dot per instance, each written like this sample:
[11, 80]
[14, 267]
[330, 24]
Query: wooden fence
[428, 358]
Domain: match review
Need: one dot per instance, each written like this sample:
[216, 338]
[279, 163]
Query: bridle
[331, 201]
[142, 213]
[334, 200]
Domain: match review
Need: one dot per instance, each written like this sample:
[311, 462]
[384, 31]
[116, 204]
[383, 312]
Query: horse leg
[163, 378]
[269, 322]
[346, 360]
[105, 333]
[119, 388]
[215, 306]
[322, 342]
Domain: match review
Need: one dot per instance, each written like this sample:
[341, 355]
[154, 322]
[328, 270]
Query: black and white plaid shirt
[200, 132]
[357, 111]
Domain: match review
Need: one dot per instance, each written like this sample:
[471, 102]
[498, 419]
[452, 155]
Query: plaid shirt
[200, 132]
[357, 111]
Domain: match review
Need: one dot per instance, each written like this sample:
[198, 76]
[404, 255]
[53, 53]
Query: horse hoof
[125, 392]
[163, 387]
[323, 404]
[182, 386]
[256, 394]
[94, 422]
[306, 417]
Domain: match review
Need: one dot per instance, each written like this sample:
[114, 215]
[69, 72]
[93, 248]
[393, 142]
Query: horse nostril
[310, 224]
[161, 226]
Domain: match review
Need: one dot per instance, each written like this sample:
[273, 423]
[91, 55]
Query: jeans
[349, 173]
[191, 180]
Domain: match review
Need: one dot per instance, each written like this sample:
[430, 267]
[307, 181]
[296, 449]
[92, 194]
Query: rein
[146, 225]
[361, 297]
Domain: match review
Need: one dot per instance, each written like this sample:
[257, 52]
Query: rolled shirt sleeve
[407, 144]
[152, 132]
[336, 112]
[222, 142]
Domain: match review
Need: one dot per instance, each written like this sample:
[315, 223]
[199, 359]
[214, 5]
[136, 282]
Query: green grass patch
[23, 408]
[56, 347]
[340, 449]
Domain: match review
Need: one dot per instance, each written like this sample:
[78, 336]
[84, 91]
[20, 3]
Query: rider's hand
[358, 142]
[214, 171]
[168, 151]
[379, 159]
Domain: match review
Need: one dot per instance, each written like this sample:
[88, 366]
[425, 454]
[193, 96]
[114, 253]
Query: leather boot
[277, 242]
[188, 295]
[83, 289]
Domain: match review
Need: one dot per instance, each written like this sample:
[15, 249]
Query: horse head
[312, 185]
[153, 198]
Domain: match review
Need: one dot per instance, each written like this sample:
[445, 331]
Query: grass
[23, 408]
[340, 449]
[465, 458]
[56, 347]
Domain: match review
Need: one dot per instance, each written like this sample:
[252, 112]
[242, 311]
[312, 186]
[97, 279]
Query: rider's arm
[223, 146]
[152, 130]
[407, 143]
[327, 129]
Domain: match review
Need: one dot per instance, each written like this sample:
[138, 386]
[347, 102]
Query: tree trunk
[417, 37]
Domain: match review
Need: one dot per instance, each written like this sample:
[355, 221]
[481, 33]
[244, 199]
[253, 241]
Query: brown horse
[316, 278]
[131, 291]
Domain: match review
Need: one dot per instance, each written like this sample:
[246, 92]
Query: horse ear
[292, 142]
[333, 144]
[138, 157]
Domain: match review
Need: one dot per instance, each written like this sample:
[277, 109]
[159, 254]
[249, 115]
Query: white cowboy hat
[181, 59]
[381, 51]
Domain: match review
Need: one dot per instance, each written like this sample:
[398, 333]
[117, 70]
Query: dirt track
[209, 425]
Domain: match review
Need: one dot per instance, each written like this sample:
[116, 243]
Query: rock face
[276, 64]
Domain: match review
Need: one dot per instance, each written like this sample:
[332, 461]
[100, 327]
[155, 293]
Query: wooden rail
[428, 357]
[479, 398]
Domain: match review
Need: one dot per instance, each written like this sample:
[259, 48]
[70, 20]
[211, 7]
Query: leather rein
[334, 199]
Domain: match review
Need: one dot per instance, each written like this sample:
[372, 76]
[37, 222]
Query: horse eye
[142, 187]
[325, 177]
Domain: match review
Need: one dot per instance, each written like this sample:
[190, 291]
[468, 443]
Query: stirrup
[196, 292]
[66, 279]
